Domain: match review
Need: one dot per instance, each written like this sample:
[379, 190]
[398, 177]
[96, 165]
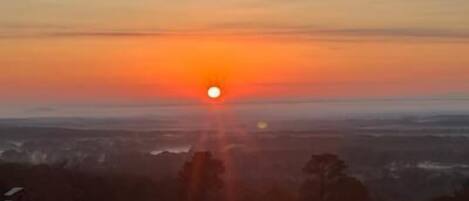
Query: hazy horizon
[300, 109]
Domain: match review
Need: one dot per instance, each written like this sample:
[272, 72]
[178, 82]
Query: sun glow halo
[214, 92]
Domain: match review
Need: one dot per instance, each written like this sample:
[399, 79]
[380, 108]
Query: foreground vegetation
[201, 178]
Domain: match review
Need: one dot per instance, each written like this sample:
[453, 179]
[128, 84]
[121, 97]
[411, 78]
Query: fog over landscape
[393, 154]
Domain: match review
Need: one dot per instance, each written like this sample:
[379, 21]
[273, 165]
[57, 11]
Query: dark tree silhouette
[278, 193]
[51, 183]
[326, 169]
[459, 195]
[328, 182]
[200, 177]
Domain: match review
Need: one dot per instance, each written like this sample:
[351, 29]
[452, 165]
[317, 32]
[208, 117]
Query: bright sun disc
[214, 92]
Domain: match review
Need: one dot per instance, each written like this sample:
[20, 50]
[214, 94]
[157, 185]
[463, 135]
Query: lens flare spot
[262, 125]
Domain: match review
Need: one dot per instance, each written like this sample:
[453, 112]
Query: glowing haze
[140, 51]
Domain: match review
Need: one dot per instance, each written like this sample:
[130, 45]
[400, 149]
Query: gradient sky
[59, 52]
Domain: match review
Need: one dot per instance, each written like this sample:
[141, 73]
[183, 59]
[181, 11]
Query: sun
[214, 92]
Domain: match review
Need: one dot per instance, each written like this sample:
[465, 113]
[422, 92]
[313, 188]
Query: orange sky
[168, 67]
[61, 53]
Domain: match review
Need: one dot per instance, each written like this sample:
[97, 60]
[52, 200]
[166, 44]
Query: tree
[200, 177]
[278, 193]
[459, 195]
[328, 182]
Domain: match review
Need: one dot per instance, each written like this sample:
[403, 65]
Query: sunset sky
[86, 52]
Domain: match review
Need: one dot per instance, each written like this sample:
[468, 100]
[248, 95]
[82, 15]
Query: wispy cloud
[241, 29]
[106, 34]
[282, 30]
[40, 110]
[397, 32]
[322, 84]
